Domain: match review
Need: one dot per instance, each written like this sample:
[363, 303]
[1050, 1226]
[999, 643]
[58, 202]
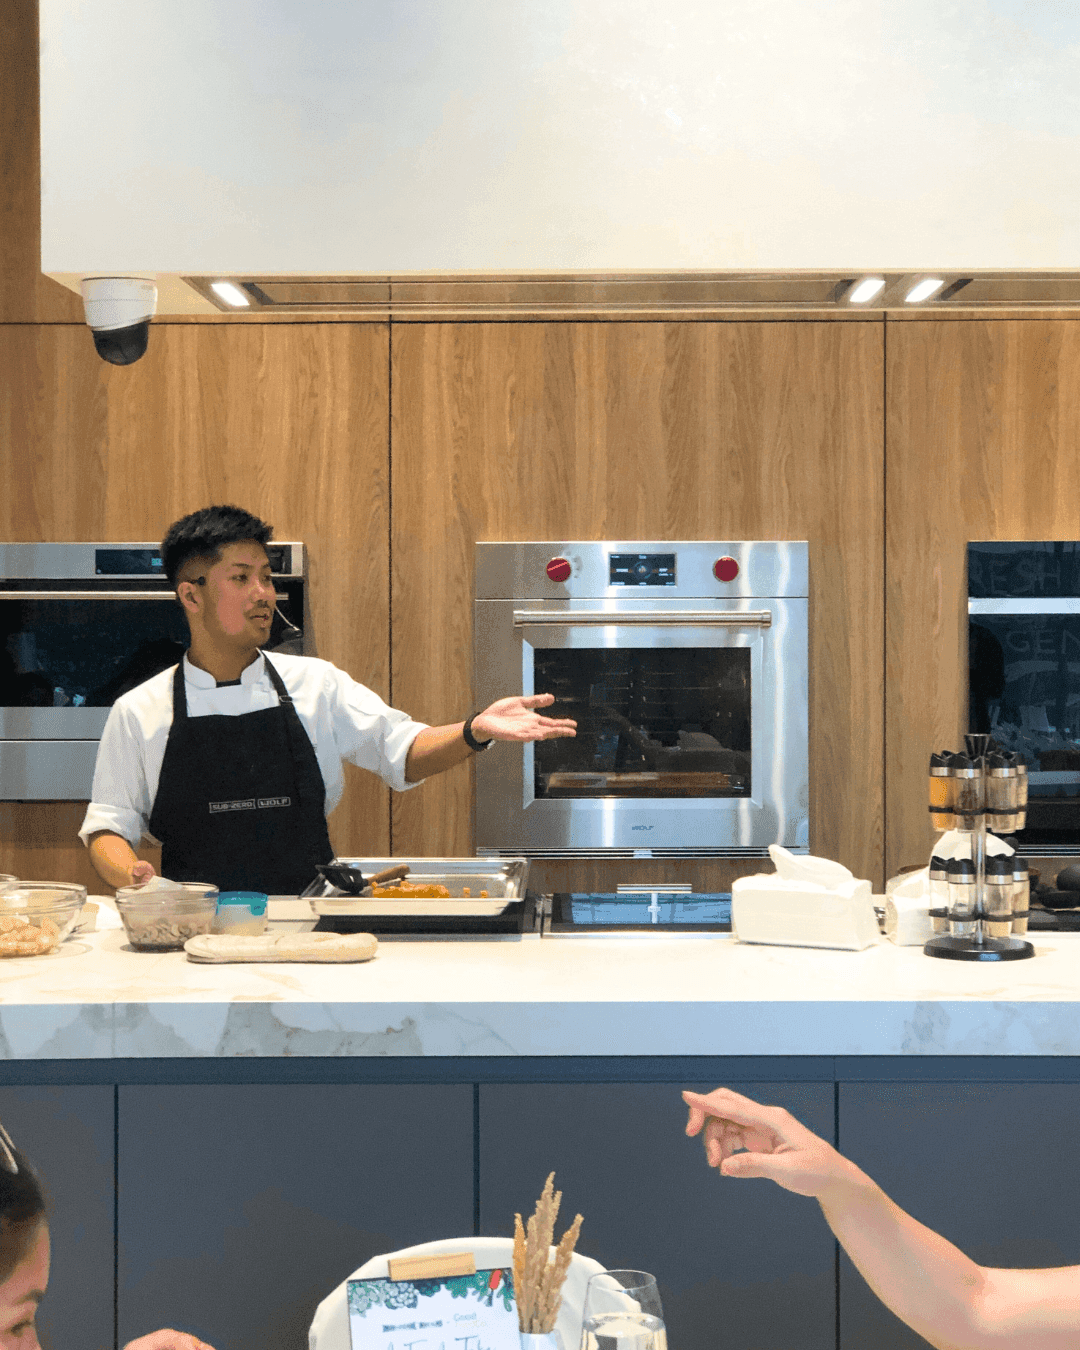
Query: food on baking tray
[410, 890]
[20, 937]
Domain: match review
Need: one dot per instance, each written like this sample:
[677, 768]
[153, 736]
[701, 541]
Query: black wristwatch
[470, 739]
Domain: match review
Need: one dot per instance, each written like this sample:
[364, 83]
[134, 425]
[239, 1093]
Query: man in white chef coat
[232, 759]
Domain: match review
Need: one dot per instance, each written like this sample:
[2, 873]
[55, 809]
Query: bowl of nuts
[36, 916]
[163, 918]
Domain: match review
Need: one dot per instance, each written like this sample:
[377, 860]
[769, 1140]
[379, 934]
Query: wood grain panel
[289, 421]
[983, 439]
[592, 431]
[25, 295]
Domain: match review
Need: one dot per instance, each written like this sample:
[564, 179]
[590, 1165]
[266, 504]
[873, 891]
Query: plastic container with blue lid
[241, 913]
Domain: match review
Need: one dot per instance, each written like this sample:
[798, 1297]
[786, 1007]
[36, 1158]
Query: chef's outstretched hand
[776, 1145]
[167, 1339]
[516, 719]
[141, 873]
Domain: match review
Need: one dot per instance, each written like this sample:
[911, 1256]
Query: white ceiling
[343, 137]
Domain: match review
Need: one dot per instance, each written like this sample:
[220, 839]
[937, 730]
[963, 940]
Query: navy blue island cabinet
[227, 1197]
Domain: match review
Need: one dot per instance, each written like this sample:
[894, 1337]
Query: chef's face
[21, 1293]
[236, 601]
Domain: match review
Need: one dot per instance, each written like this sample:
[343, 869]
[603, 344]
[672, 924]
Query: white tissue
[157, 883]
[957, 844]
[815, 871]
[907, 911]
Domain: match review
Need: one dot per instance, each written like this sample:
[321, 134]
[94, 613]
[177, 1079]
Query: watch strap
[470, 739]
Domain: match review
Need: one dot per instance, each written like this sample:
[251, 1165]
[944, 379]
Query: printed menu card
[456, 1312]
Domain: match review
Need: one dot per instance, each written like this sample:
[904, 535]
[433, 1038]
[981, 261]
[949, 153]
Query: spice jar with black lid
[997, 897]
[942, 792]
[939, 895]
[1021, 793]
[1000, 781]
[1021, 894]
[963, 911]
[969, 792]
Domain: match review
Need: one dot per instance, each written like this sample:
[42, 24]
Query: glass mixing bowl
[162, 919]
[36, 916]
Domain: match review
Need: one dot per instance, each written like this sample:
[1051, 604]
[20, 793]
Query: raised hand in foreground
[927, 1282]
[776, 1145]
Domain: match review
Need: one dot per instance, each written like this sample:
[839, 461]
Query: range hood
[395, 156]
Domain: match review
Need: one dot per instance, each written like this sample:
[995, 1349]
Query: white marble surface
[600, 995]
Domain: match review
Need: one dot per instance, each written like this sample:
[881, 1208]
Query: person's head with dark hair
[24, 1261]
[216, 558]
[24, 1248]
[198, 540]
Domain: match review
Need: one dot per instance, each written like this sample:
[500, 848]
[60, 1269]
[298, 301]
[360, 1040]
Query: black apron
[241, 800]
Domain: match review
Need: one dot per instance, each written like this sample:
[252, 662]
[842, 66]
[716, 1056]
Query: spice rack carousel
[966, 791]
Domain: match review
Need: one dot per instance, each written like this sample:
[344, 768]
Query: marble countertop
[575, 995]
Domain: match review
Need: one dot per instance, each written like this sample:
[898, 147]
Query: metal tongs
[351, 881]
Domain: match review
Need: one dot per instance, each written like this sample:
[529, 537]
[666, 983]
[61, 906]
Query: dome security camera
[118, 311]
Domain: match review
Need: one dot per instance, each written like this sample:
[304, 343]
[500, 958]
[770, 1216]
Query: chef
[232, 760]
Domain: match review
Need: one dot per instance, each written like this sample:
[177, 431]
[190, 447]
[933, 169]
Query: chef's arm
[509, 719]
[931, 1285]
[115, 861]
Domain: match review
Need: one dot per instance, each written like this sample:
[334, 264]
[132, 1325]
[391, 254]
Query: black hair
[22, 1210]
[203, 534]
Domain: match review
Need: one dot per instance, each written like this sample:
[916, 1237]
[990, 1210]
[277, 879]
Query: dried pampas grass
[539, 1275]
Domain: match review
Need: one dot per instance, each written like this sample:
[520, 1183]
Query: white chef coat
[343, 719]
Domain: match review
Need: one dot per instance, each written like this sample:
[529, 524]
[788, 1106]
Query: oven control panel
[641, 569]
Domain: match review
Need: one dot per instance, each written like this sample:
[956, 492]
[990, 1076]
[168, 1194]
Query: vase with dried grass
[540, 1271]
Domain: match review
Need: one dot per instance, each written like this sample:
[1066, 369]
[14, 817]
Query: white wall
[372, 136]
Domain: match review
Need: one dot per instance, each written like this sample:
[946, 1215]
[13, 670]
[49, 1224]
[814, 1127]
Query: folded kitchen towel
[220, 947]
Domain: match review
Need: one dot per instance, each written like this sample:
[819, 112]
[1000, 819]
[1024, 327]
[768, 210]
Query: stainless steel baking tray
[504, 879]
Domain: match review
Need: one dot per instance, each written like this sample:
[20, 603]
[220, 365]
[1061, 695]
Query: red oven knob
[558, 569]
[725, 569]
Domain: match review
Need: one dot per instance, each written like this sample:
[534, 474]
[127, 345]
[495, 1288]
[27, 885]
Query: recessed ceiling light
[231, 294]
[866, 290]
[922, 290]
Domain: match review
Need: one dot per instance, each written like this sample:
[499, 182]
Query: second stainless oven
[80, 624]
[685, 667]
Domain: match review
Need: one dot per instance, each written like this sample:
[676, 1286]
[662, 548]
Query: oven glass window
[1024, 683]
[84, 653]
[670, 722]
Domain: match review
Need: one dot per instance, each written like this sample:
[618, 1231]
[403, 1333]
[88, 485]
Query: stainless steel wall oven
[685, 665]
[79, 625]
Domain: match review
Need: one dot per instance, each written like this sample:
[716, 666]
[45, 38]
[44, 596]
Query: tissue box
[768, 909]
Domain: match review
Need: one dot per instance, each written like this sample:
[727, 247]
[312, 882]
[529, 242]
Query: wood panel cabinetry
[660, 431]
[289, 421]
[983, 443]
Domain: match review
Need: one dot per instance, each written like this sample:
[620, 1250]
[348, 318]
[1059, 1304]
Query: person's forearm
[435, 749]
[926, 1281]
[113, 858]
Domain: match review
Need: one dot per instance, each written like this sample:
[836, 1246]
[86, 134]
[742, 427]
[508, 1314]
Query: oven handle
[660, 618]
[98, 595]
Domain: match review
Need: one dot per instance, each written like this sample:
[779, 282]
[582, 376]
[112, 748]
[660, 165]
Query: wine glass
[623, 1312]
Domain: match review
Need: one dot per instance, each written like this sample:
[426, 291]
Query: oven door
[1024, 689]
[692, 726]
[65, 656]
